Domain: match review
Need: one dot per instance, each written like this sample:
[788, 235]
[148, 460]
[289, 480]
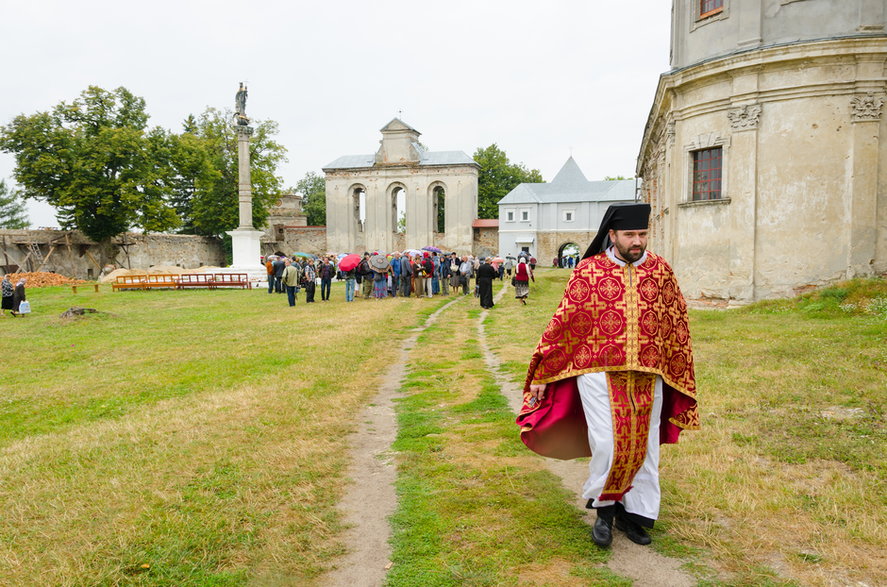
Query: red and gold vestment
[630, 322]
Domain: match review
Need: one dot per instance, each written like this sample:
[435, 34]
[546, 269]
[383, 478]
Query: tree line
[105, 171]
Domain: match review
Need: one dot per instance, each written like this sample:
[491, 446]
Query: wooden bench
[94, 285]
[185, 280]
[161, 280]
[129, 282]
[232, 280]
[196, 280]
[150, 281]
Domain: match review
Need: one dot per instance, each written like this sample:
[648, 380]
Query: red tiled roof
[485, 223]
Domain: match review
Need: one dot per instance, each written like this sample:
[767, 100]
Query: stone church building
[403, 196]
[762, 155]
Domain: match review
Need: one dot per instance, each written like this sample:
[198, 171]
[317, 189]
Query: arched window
[440, 214]
[399, 209]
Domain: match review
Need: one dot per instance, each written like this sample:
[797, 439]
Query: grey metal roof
[426, 158]
[570, 185]
[352, 161]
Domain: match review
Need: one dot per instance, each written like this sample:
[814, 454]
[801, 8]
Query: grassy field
[785, 482]
[200, 438]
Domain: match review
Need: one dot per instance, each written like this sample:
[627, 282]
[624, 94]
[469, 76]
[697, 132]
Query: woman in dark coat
[18, 296]
[485, 276]
[7, 294]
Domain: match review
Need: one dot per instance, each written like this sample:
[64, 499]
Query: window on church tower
[707, 165]
[710, 7]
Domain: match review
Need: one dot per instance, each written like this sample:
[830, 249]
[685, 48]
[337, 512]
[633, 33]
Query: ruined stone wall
[302, 239]
[486, 242]
[71, 253]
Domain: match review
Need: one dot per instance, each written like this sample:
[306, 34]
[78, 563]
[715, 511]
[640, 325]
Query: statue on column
[240, 106]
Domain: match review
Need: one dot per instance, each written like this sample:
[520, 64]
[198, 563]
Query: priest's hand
[537, 390]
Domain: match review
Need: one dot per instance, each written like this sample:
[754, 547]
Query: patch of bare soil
[371, 499]
[643, 565]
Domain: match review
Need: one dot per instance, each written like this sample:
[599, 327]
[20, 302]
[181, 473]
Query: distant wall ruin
[70, 253]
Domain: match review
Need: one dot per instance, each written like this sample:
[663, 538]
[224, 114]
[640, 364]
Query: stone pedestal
[246, 247]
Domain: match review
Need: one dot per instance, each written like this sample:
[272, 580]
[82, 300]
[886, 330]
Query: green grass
[474, 508]
[200, 438]
[187, 438]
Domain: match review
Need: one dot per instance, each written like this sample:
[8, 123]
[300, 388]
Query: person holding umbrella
[348, 266]
[379, 268]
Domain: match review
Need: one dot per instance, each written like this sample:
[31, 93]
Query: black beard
[628, 256]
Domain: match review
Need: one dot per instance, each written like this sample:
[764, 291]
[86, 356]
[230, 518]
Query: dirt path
[371, 499]
[642, 564]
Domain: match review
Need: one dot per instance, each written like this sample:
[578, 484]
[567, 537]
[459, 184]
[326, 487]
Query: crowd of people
[376, 276]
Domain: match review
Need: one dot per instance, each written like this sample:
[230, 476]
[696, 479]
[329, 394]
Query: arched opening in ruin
[399, 209]
[358, 199]
[438, 196]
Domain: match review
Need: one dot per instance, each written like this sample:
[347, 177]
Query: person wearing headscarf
[18, 295]
[522, 276]
[7, 291]
[612, 376]
[485, 276]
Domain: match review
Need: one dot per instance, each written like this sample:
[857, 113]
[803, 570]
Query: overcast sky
[540, 79]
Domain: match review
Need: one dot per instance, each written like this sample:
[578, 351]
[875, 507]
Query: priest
[612, 376]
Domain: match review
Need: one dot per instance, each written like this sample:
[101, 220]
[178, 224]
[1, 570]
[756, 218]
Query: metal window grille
[709, 7]
[707, 174]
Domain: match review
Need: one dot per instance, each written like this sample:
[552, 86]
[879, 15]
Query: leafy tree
[205, 160]
[12, 208]
[497, 177]
[312, 187]
[95, 162]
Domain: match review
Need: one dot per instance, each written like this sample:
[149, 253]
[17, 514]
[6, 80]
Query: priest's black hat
[619, 217]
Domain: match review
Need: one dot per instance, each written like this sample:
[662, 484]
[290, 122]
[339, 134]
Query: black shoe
[602, 532]
[635, 532]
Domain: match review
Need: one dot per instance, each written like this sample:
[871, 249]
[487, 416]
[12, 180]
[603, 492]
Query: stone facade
[365, 194]
[486, 238]
[304, 239]
[72, 254]
[789, 96]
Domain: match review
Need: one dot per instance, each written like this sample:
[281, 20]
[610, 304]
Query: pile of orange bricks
[44, 279]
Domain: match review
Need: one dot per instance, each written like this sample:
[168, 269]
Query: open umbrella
[349, 262]
[432, 249]
[412, 252]
[379, 263]
[305, 255]
[498, 260]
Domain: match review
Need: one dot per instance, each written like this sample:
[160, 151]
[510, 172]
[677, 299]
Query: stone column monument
[245, 239]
